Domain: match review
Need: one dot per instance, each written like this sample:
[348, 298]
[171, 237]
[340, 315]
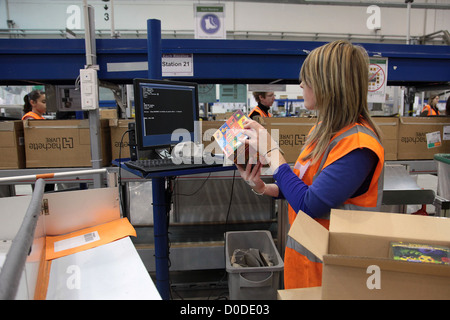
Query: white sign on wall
[209, 21]
[174, 65]
[377, 80]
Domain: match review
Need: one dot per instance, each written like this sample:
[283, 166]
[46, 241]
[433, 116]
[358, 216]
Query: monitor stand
[152, 154]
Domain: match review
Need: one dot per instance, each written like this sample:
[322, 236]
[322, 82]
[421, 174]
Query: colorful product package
[229, 138]
[416, 252]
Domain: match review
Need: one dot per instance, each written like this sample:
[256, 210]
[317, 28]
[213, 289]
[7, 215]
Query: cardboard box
[208, 129]
[63, 143]
[313, 293]
[412, 143]
[355, 255]
[12, 146]
[118, 128]
[292, 133]
[108, 113]
[389, 139]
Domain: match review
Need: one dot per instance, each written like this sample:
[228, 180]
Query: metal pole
[53, 175]
[89, 34]
[160, 224]
[113, 30]
[94, 117]
[17, 255]
[408, 20]
[158, 184]
[154, 49]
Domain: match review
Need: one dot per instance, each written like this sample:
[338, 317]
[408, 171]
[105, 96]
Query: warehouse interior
[67, 182]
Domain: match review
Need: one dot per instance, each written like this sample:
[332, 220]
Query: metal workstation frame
[58, 61]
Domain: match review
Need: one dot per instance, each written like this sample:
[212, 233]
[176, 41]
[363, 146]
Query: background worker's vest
[33, 115]
[301, 268]
[261, 113]
[430, 110]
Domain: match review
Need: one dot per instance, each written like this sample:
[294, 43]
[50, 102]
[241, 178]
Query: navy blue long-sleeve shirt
[345, 178]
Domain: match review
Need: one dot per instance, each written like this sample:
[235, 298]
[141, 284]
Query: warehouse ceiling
[389, 4]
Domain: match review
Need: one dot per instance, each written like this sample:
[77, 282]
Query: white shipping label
[446, 133]
[433, 139]
[76, 241]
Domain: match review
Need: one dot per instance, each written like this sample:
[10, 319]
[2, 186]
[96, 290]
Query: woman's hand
[252, 175]
[261, 142]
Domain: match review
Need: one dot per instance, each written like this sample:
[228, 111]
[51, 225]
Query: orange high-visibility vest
[32, 115]
[301, 268]
[261, 113]
[430, 110]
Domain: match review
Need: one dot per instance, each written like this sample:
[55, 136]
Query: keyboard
[160, 165]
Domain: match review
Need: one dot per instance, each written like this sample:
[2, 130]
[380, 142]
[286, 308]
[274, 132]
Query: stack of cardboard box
[66, 143]
[403, 138]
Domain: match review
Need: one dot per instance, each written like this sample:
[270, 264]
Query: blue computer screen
[163, 109]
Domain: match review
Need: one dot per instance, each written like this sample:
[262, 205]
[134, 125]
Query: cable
[168, 192]
[119, 178]
[231, 198]
[193, 193]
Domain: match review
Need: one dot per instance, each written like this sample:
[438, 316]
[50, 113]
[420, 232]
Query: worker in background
[341, 164]
[34, 108]
[431, 108]
[265, 101]
[35, 105]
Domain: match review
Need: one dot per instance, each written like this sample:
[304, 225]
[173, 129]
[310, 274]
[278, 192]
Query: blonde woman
[431, 108]
[341, 164]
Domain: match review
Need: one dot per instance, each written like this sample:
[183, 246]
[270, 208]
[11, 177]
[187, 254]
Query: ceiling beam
[387, 4]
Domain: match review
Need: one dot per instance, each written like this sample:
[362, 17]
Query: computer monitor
[162, 108]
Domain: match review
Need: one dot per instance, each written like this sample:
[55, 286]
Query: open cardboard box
[355, 255]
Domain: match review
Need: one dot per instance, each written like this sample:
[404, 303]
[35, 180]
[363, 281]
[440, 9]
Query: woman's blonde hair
[338, 73]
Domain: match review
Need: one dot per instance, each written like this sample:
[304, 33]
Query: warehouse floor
[199, 285]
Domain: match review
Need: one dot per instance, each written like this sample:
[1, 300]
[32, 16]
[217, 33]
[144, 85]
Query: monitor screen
[165, 112]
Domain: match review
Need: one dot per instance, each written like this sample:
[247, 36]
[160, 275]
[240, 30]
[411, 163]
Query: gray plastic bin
[443, 169]
[253, 283]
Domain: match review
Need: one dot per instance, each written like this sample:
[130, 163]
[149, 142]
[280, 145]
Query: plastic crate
[443, 169]
[253, 283]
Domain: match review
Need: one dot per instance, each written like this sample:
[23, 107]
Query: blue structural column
[160, 234]
[154, 49]
[160, 220]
